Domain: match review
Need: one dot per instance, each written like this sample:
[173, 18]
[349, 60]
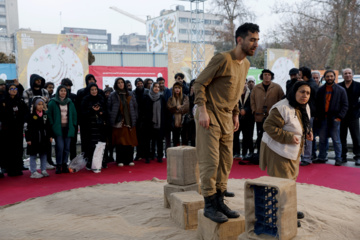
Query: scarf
[57, 98]
[304, 118]
[40, 114]
[125, 107]
[155, 97]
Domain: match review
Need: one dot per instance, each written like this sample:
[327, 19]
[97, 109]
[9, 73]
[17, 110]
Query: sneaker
[132, 164]
[36, 175]
[120, 164]
[96, 170]
[49, 167]
[45, 173]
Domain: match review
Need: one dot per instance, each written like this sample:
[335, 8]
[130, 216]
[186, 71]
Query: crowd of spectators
[120, 116]
[150, 117]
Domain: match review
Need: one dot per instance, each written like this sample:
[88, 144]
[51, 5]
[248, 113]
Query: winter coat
[260, 98]
[54, 114]
[338, 103]
[30, 92]
[148, 113]
[113, 106]
[38, 133]
[353, 99]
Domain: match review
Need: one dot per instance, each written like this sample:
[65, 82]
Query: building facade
[9, 17]
[175, 26]
[99, 39]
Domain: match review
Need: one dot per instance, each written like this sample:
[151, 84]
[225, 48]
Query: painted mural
[160, 32]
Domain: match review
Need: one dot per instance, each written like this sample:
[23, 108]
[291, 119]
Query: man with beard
[351, 120]
[37, 88]
[331, 107]
[49, 86]
[217, 118]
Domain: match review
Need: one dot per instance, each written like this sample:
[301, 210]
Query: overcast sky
[44, 15]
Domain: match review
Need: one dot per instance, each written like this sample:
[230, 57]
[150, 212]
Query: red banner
[106, 75]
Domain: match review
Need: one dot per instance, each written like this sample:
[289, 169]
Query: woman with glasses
[12, 117]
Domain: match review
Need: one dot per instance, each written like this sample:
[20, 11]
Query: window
[183, 20]
[182, 31]
[208, 32]
[3, 20]
[216, 22]
[207, 21]
[2, 9]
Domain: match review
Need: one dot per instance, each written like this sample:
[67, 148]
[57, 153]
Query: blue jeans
[43, 160]
[327, 130]
[306, 157]
[62, 149]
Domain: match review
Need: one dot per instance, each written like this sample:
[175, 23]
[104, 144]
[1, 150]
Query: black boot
[211, 210]
[300, 215]
[64, 168]
[58, 169]
[223, 208]
[229, 194]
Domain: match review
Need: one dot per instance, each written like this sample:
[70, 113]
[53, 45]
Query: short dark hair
[267, 71]
[48, 83]
[66, 82]
[244, 29]
[179, 75]
[329, 71]
[160, 79]
[306, 72]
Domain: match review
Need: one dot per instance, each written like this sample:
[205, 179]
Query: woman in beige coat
[285, 129]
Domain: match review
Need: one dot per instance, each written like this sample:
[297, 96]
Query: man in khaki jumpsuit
[217, 92]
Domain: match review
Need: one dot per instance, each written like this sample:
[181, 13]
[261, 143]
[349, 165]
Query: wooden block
[170, 188]
[286, 213]
[182, 166]
[185, 207]
[209, 230]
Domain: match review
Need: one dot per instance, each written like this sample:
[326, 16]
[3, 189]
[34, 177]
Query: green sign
[256, 74]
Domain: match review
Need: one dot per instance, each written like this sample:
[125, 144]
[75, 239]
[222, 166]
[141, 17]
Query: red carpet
[15, 189]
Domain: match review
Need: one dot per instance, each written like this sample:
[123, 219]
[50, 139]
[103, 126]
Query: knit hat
[251, 78]
[37, 101]
[293, 71]
[108, 89]
[2, 82]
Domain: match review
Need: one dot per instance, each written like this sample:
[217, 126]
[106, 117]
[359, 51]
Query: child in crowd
[38, 136]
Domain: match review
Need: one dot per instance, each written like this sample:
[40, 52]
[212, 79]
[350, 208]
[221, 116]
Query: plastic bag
[78, 163]
[98, 156]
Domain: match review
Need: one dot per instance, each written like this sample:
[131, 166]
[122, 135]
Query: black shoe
[211, 210]
[160, 160]
[338, 162]
[319, 161]
[104, 165]
[64, 168]
[229, 194]
[299, 224]
[223, 208]
[300, 215]
[357, 162]
[137, 158]
[344, 159]
[147, 160]
[303, 163]
[58, 169]
[1, 173]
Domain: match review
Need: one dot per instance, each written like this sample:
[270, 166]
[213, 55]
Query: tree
[230, 11]
[7, 59]
[325, 31]
[91, 57]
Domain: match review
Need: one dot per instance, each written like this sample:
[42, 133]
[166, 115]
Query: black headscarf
[291, 97]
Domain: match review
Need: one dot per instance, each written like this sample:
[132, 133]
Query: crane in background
[128, 14]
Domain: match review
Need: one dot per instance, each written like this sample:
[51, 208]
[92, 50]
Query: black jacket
[354, 100]
[338, 103]
[39, 133]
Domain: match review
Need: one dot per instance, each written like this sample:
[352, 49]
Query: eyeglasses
[13, 89]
